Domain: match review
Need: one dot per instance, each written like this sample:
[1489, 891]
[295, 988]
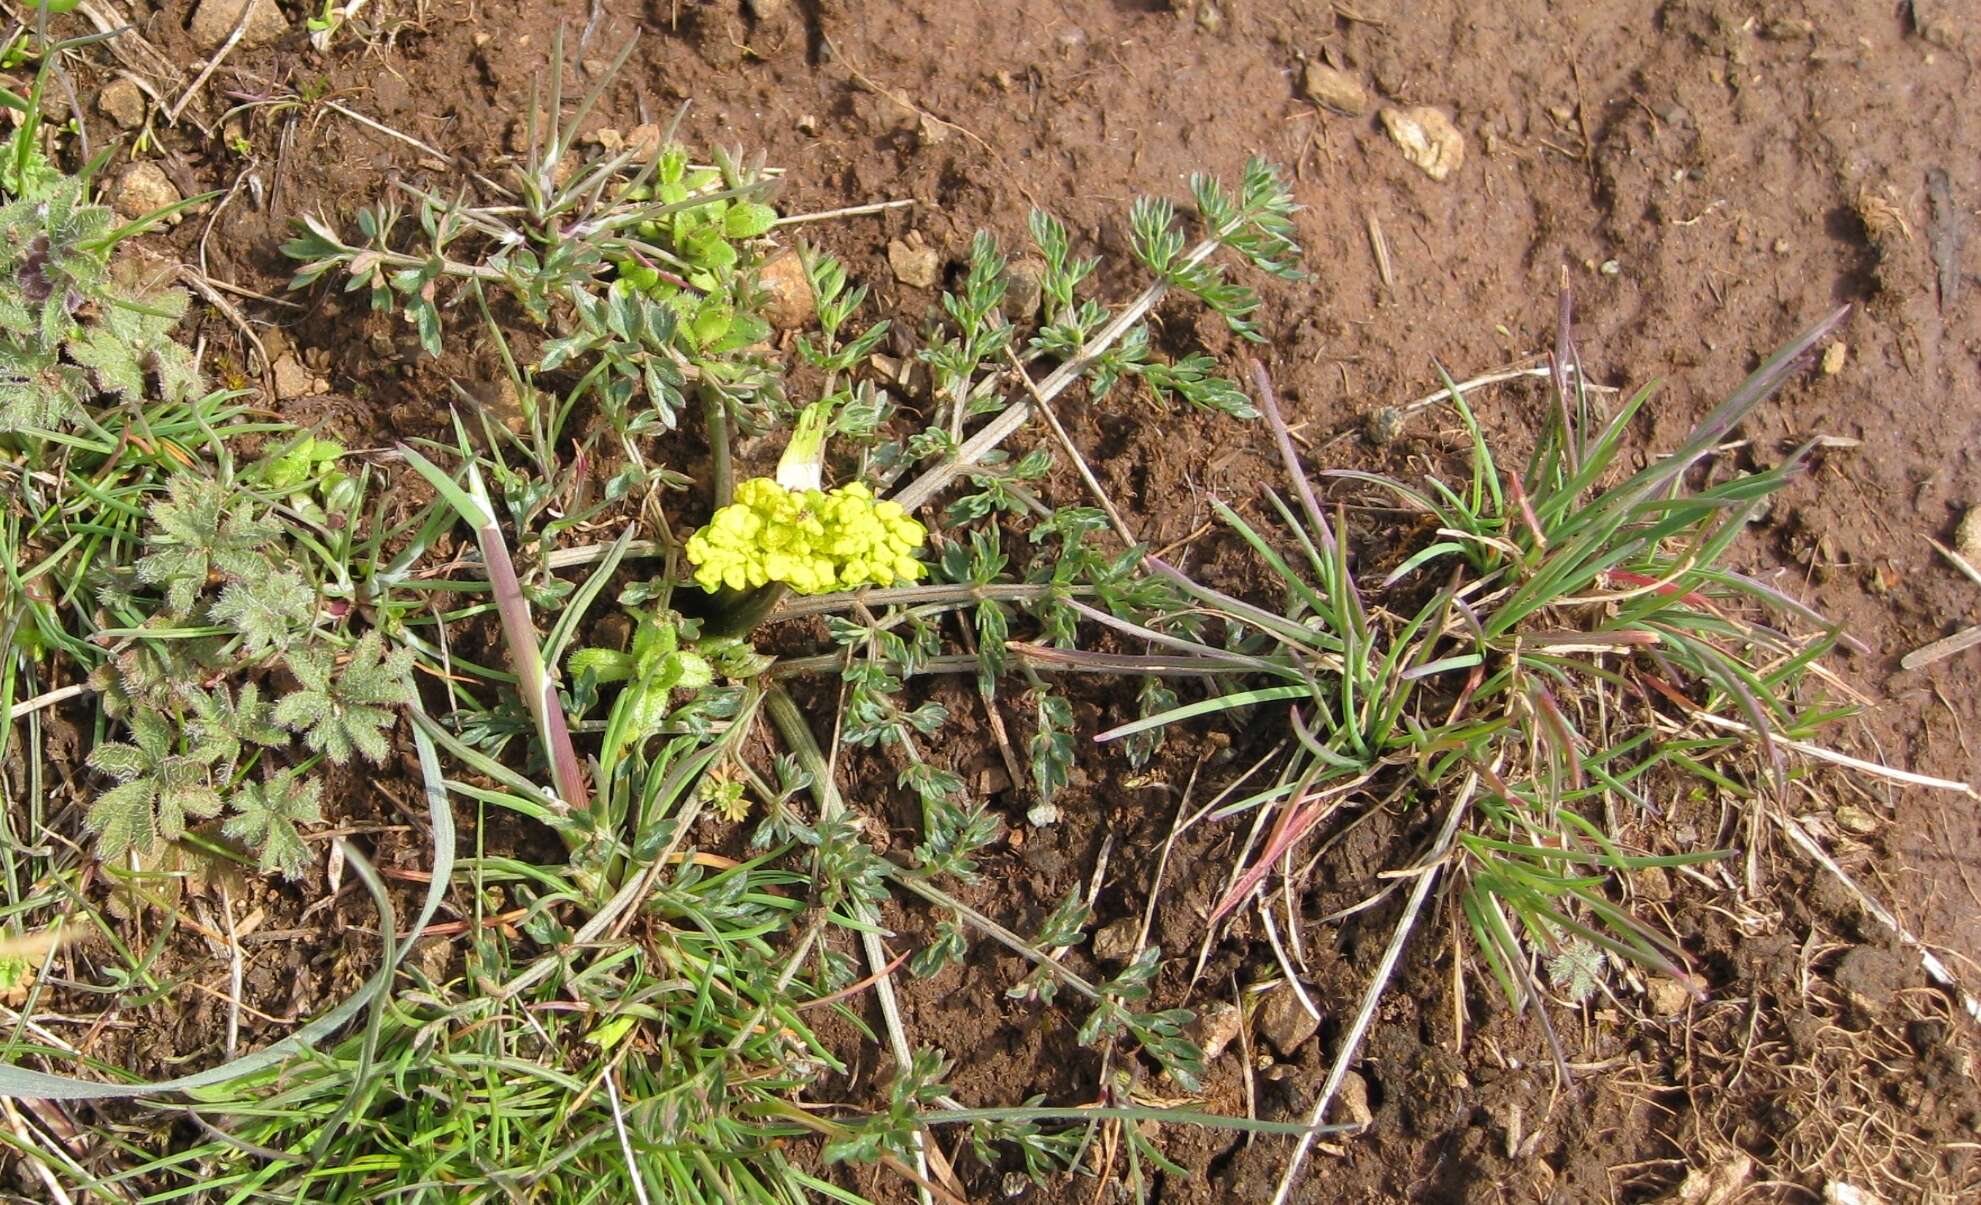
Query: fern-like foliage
[344, 712]
[266, 816]
[225, 724]
[267, 611]
[202, 527]
[157, 789]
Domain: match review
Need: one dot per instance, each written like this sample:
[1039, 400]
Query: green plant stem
[823, 604]
[1030, 656]
[539, 692]
[738, 612]
[722, 473]
[533, 681]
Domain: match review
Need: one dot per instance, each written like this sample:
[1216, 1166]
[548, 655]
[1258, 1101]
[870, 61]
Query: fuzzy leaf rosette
[814, 541]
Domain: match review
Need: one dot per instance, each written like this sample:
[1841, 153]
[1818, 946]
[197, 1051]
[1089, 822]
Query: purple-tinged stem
[539, 693]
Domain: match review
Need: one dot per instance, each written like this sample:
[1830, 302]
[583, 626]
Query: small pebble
[915, 263]
[122, 102]
[1854, 819]
[1025, 284]
[1967, 537]
[791, 302]
[1285, 1022]
[213, 22]
[1115, 943]
[1216, 1026]
[1353, 1096]
[144, 188]
[1427, 138]
[292, 380]
[1668, 997]
[644, 140]
[1384, 425]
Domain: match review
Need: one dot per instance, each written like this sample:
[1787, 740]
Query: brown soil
[1710, 175]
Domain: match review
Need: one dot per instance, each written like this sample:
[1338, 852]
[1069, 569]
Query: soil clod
[1336, 89]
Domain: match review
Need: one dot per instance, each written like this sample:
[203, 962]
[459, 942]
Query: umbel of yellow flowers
[815, 541]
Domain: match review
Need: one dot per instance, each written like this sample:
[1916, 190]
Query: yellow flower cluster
[812, 540]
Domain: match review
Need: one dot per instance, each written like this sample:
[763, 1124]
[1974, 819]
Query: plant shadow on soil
[1719, 163]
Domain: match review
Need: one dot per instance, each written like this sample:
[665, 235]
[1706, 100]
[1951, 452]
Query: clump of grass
[1558, 614]
[1532, 677]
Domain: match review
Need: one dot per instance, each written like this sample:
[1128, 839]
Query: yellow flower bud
[815, 541]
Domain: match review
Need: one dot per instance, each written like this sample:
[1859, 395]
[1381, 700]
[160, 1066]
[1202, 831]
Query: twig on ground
[1959, 562]
[850, 211]
[388, 131]
[1351, 1041]
[233, 315]
[26, 1135]
[129, 47]
[1072, 450]
[625, 1142]
[1379, 243]
[857, 986]
[27, 707]
[1935, 968]
[212, 63]
[1907, 777]
[790, 722]
[1941, 649]
[1286, 966]
[912, 496]
[235, 967]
